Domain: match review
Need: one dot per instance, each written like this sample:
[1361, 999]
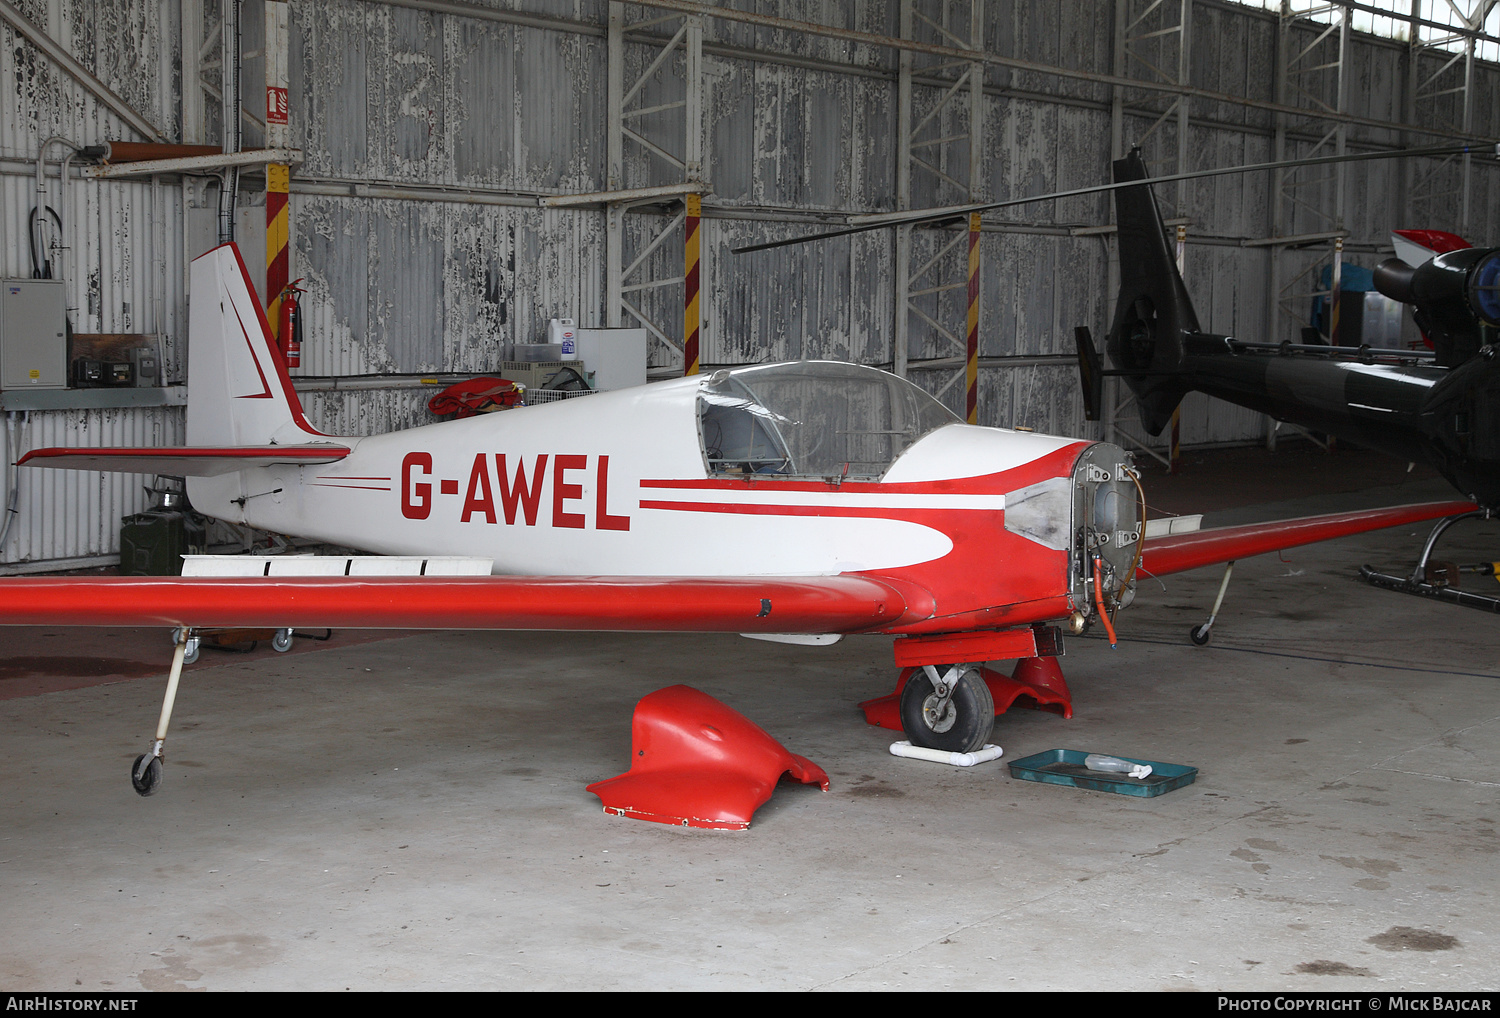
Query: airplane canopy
[812, 419]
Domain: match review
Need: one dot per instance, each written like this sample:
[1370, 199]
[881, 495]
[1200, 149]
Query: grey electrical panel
[33, 334]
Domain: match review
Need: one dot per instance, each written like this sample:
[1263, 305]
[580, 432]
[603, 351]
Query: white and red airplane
[797, 501]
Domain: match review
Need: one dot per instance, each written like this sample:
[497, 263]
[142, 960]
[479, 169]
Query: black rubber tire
[971, 707]
[1200, 635]
[148, 782]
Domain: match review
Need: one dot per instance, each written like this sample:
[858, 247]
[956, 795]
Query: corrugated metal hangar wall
[434, 134]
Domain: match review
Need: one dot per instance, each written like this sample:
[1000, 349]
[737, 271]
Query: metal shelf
[92, 399]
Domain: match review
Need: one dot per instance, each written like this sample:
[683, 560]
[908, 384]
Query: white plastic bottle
[1114, 765]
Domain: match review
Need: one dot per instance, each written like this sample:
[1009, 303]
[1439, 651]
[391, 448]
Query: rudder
[238, 390]
[1153, 314]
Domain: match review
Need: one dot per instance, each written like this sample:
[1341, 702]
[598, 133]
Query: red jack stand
[1039, 678]
[697, 763]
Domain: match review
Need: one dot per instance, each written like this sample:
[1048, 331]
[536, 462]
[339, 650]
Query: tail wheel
[959, 723]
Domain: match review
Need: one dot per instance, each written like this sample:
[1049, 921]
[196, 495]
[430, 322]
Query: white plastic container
[564, 332]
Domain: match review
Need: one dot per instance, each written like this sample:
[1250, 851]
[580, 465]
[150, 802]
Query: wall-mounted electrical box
[33, 334]
[115, 360]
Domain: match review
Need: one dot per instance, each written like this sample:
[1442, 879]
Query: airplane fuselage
[620, 484]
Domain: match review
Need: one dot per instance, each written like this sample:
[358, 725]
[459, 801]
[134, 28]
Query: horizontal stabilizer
[1179, 552]
[184, 461]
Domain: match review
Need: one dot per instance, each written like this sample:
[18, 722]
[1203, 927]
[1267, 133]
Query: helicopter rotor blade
[918, 217]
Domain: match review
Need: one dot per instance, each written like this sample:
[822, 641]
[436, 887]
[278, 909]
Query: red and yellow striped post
[691, 319]
[971, 342]
[278, 177]
[277, 259]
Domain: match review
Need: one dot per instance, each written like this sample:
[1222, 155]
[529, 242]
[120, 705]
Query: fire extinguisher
[289, 331]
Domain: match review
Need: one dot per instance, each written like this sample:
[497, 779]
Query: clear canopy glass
[821, 419]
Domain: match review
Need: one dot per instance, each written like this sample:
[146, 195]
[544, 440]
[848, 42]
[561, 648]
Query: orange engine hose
[1099, 600]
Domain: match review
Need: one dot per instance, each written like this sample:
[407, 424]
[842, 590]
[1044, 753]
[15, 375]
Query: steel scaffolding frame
[931, 146]
[1432, 194]
[202, 68]
[624, 280]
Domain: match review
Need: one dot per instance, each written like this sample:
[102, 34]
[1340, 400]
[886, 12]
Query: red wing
[812, 604]
[183, 461]
[1174, 554]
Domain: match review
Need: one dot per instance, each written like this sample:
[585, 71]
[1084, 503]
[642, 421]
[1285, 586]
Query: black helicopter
[1440, 407]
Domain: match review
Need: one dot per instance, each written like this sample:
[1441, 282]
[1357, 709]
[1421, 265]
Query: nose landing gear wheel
[145, 777]
[961, 725]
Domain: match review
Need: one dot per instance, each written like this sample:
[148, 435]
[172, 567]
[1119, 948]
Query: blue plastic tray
[1065, 767]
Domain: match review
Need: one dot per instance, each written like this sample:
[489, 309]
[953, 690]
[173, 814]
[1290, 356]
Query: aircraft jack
[145, 772]
[1039, 678]
[1437, 580]
[695, 762]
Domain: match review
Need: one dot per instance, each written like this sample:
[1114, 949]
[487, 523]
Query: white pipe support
[979, 756]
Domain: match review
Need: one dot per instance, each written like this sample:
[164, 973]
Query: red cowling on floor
[696, 763]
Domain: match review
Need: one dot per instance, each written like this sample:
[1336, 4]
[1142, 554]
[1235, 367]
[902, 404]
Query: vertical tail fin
[1153, 314]
[1090, 373]
[238, 389]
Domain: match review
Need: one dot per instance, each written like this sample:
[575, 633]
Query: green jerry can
[152, 543]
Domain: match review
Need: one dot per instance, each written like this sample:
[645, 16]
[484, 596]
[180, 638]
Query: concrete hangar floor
[407, 811]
